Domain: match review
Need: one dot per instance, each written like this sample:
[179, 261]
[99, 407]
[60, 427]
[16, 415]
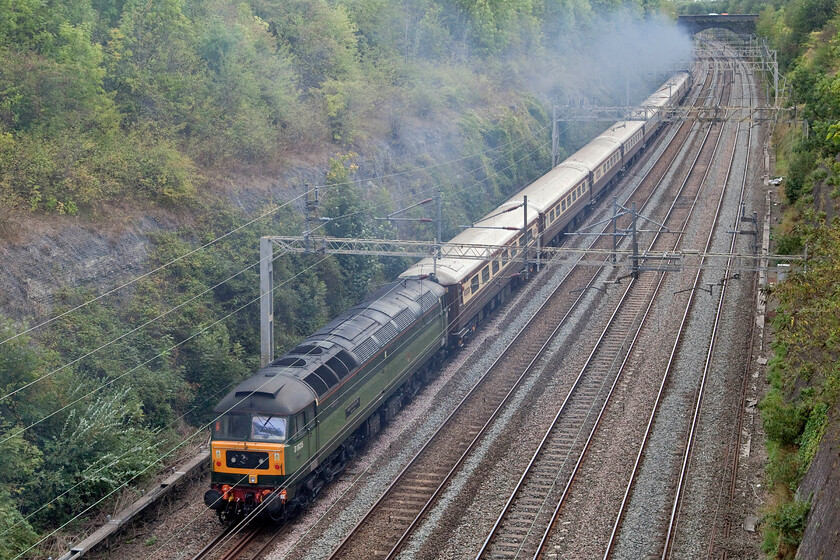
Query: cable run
[142, 472]
[239, 228]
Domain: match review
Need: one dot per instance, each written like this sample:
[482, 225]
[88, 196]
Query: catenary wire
[154, 319]
[294, 478]
[247, 224]
[143, 471]
[22, 430]
[348, 215]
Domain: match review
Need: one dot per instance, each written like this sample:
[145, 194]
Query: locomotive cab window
[268, 428]
[232, 426]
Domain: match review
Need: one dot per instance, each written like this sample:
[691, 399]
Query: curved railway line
[671, 522]
[389, 523]
[526, 526]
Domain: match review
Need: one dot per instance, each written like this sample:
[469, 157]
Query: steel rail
[342, 546]
[665, 377]
[673, 524]
[560, 502]
[586, 368]
[734, 446]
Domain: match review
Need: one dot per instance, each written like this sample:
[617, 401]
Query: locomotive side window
[232, 426]
[505, 257]
[495, 267]
[563, 204]
[474, 284]
[485, 274]
[268, 428]
[300, 423]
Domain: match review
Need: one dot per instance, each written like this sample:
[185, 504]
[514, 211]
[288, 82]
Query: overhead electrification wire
[224, 318]
[154, 319]
[179, 445]
[150, 360]
[239, 228]
[132, 331]
[297, 476]
[171, 425]
[240, 526]
[201, 331]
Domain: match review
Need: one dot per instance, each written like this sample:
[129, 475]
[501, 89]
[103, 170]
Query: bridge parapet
[742, 24]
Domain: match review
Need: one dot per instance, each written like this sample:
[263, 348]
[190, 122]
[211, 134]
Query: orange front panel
[275, 456]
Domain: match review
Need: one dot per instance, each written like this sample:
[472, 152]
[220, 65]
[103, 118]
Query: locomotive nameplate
[352, 408]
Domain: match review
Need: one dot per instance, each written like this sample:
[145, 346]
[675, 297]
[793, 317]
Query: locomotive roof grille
[366, 349]
[386, 334]
[405, 318]
[427, 301]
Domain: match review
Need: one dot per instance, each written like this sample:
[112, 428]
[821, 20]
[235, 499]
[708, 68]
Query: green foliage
[783, 421]
[112, 100]
[18, 535]
[811, 436]
[786, 524]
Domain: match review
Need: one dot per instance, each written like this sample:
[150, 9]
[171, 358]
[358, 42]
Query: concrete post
[266, 301]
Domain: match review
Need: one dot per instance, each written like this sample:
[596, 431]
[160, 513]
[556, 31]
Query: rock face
[43, 254]
[65, 252]
[821, 540]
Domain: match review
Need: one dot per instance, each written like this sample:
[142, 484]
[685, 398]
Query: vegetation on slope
[148, 101]
[804, 375]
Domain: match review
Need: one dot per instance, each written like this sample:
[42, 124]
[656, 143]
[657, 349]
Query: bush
[783, 421]
[787, 524]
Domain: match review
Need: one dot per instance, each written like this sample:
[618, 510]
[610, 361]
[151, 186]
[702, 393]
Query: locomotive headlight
[252, 479]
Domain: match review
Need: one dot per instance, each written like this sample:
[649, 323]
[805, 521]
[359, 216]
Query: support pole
[266, 301]
[525, 233]
[555, 139]
[635, 246]
[439, 238]
[615, 228]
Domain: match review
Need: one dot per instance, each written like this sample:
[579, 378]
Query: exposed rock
[822, 482]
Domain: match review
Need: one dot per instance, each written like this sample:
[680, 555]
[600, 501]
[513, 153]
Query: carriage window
[563, 204]
[485, 274]
[268, 428]
[474, 284]
[495, 267]
[505, 257]
[551, 215]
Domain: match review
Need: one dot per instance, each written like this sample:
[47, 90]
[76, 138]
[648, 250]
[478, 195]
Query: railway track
[391, 520]
[244, 540]
[669, 531]
[525, 523]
